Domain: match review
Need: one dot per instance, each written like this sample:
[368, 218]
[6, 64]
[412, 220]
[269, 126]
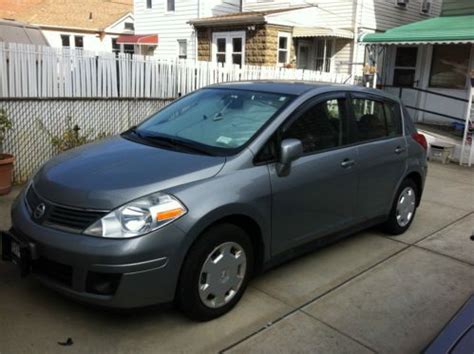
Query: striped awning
[300, 32]
[143, 39]
[439, 30]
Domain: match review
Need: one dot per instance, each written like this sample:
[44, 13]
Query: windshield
[216, 118]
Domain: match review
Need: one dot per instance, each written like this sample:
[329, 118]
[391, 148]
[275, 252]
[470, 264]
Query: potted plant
[6, 160]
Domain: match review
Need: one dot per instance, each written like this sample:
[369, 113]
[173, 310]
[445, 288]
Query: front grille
[57, 272]
[32, 199]
[61, 217]
[72, 218]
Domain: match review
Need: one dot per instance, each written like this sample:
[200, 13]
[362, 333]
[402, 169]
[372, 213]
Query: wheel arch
[416, 177]
[258, 231]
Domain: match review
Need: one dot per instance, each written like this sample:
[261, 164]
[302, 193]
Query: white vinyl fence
[29, 71]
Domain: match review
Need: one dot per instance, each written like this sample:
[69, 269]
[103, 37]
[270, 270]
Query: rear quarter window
[376, 119]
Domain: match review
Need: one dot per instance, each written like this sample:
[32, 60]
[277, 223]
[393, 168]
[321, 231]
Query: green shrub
[5, 126]
[71, 137]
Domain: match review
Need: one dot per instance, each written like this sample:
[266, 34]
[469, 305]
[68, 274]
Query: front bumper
[108, 272]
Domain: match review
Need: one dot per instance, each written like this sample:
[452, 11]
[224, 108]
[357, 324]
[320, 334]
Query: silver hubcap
[406, 206]
[222, 274]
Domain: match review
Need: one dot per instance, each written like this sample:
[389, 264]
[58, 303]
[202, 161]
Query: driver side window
[321, 126]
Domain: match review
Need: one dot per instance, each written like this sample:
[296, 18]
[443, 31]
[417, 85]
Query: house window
[65, 40]
[115, 46]
[221, 50]
[237, 50]
[324, 53]
[129, 26]
[426, 7]
[129, 48]
[228, 47]
[170, 5]
[182, 48]
[401, 3]
[283, 48]
[449, 66]
[79, 41]
[405, 67]
[149, 4]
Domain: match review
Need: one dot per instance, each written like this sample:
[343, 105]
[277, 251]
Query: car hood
[112, 172]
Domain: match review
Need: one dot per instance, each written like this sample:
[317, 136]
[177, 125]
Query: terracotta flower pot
[6, 172]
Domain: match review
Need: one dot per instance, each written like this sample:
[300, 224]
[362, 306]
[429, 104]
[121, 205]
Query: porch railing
[424, 110]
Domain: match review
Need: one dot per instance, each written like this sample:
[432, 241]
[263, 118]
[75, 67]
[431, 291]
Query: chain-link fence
[35, 121]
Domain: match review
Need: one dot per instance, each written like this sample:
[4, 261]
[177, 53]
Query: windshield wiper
[134, 131]
[175, 143]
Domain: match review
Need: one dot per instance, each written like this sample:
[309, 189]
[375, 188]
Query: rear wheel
[403, 208]
[216, 272]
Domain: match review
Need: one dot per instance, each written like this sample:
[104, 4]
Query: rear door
[377, 131]
[318, 195]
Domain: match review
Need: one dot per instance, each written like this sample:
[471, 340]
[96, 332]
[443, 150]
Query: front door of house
[406, 75]
[228, 47]
[303, 55]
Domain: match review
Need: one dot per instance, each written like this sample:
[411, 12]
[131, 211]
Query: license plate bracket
[17, 252]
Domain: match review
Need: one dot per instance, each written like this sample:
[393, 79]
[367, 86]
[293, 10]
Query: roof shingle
[84, 14]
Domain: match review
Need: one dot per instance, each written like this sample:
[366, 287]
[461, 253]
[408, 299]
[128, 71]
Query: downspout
[196, 57]
[355, 44]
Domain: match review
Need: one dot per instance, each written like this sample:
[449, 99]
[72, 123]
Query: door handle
[346, 163]
[399, 150]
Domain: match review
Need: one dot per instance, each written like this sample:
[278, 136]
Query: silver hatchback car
[225, 182]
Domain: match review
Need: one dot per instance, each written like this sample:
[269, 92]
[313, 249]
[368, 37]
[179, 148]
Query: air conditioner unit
[403, 3]
[426, 7]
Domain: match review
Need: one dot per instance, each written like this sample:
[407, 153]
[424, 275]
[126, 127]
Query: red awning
[142, 39]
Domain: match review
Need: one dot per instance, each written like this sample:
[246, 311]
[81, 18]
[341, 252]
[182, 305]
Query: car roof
[298, 88]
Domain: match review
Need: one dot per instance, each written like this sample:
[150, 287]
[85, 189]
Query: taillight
[420, 139]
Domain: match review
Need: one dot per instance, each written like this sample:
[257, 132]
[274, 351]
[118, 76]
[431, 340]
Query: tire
[394, 224]
[202, 270]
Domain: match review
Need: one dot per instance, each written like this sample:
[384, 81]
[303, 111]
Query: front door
[382, 153]
[406, 75]
[228, 47]
[318, 196]
[303, 56]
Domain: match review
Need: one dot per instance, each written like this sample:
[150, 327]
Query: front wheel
[215, 273]
[403, 209]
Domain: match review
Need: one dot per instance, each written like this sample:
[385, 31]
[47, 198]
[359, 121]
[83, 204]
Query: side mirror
[290, 150]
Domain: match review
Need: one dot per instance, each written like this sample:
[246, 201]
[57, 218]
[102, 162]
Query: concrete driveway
[368, 293]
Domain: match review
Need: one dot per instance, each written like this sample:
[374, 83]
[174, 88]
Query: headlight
[138, 217]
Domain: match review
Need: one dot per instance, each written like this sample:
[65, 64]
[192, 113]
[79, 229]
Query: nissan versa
[224, 182]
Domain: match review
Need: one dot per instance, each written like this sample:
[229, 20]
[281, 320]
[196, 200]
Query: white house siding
[170, 26]
[173, 26]
[330, 13]
[380, 15]
[92, 42]
[343, 56]
[119, 25]
[218, 7]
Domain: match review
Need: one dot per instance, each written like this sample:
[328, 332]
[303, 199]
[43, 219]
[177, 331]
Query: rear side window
[375, 119]
[321, 126]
